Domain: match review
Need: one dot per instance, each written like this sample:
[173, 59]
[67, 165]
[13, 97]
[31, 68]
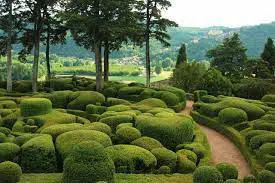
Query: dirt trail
[223, 150]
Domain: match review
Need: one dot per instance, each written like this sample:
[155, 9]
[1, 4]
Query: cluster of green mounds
[269, 100]
[253, 119]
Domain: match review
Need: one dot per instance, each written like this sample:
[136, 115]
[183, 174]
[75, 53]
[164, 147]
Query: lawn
[121, 178]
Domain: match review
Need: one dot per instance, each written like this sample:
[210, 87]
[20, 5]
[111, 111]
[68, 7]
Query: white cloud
[232, 13]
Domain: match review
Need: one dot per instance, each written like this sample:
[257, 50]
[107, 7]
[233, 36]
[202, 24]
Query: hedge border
[234, 136]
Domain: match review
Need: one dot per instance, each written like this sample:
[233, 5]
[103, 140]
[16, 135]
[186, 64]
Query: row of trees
[100, 26]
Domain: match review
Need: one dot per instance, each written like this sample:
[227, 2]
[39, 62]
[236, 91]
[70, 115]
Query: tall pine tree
[182, 56]
[268, 54]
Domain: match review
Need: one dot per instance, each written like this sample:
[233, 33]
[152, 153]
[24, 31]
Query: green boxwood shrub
[66, 141]
[252, 133]
[165, 157]
[85, 98]
[259, 140]
[228, 171]
[130, 93]
[269, 100]
[2, 137]
[164, 170]
[88, 162]
[152, 102]
[157, 110]
[184, 164]
[232, 181]
[35, 106]
[9, 120]
[210, 99]
[98, 126]
[231, 116]
[169, 131]
[124, 125]
[266, 153]
[196, 147]
[8, 151]
[114, 121]
[22, 139]
[169, 98]
[116, 101]
[132, 159]
[127, 134]
[266, 176]
[198, 94]
[110, 92]
[59, 99]
[5, 112]
[147, 93]
[179, 92]
[38, 155]
[147, 143]
[10, 172]
[5, 131]
[94, 109]
[56, 130]
[8, 104]
[270, 166]
[207, 174]
[250, 179]
[119, 108]
[189, 154]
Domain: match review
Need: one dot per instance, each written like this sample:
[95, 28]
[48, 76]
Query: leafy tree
[257, 68]
[187, 75]
[229, 57]
[155, 27]
[182, 56]
[167, 63]
[158, 69]
[269, 54]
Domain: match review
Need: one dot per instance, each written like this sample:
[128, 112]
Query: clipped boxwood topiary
[270, 166]
[189, 155]
[8, 151]
[119, 108]
[259, 140]
[56, 130]
[10, 172]
[35, 107]
[207, 174]
[5, 131]
[127, 134]
[2, 137]
[195, 147]
[228, 171]
[165, 157]
[110, 92]
[59, 99]
[116, 101]
[184, 164]
[198, 94]
[66, 141]
[232, 181]
[231, 116]
[147, 143]
[124, 125]
[132, 159]
[169, 131]
[266, 176]
[8, 104]
[94, 109]
[169, 98]
[114, 121]
[250, 179]
[164, 170]
[152, 102]
[98, 126]
[38, 155]
[266, 153]
[88, 162]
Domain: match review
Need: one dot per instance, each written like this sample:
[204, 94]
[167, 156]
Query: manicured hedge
[207, 174]
[228, 171]
[270, 166]
[179, 92]
[10, 172]
[7, 104]
[85, 98]
[152, 102]
[60, 99]
[130, 93]
[88, 162]
[2, 137]
[114, 121]
[266, 153]
[259, 140]
[56, 130]
[185, 165]
[66, 141]
[119, 108]
[9, 120]
[169, 131]
[269, 100]
[132, 159]
[165, 157]
[116, 101]
[210, 99]
[169, 98]
[198, 94]
[38, 155]
[127, 134]
[98, 126]
[147, 143]
[266, 176]
[231, 116]
[5, 131]
[94, 109]
[35, 106]
[124, 125]
[8, 151]
[110, 92]
[190, 155]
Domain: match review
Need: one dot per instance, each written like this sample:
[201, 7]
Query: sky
[230, 13]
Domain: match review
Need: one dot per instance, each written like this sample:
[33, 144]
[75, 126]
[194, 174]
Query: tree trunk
[36, 52]
[9, 54]
[98, 64]
[48, 53]
[147, 39]
[106, 62]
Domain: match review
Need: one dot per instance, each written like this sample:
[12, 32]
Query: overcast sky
[231, 13]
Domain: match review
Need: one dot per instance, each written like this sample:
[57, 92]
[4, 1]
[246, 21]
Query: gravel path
[223, 150]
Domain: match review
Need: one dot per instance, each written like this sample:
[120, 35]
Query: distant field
[120, 178]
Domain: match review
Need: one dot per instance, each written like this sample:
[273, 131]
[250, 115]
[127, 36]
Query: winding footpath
[223, 150]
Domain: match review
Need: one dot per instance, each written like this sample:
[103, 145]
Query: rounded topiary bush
[232, 116]
[88, 162]
[2, 137]
[127, 134]
[94, 109]
[232, 181]
[8, 151]
[169, 131]
[165, 157]
[56, 130]
[153, 102]
[124, 125]
[266, 153]
[10, 172]
[190, 155]
[207, 174]
[270, 166]
[35, 107]
[169, 98]
[164, 170]
[266, 176]
[114, 121]
[110, 92]
[98, 126]
[228, 171]
[250, 179]
[132, 159]
[66, 141]
[147, 143]
[116, 101]
[119, 108]
[5, 131]
[258, 141]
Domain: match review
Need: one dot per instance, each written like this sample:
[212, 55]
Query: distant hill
[198, 41]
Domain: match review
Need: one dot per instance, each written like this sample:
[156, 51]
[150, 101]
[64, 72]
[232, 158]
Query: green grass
[120, 178]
